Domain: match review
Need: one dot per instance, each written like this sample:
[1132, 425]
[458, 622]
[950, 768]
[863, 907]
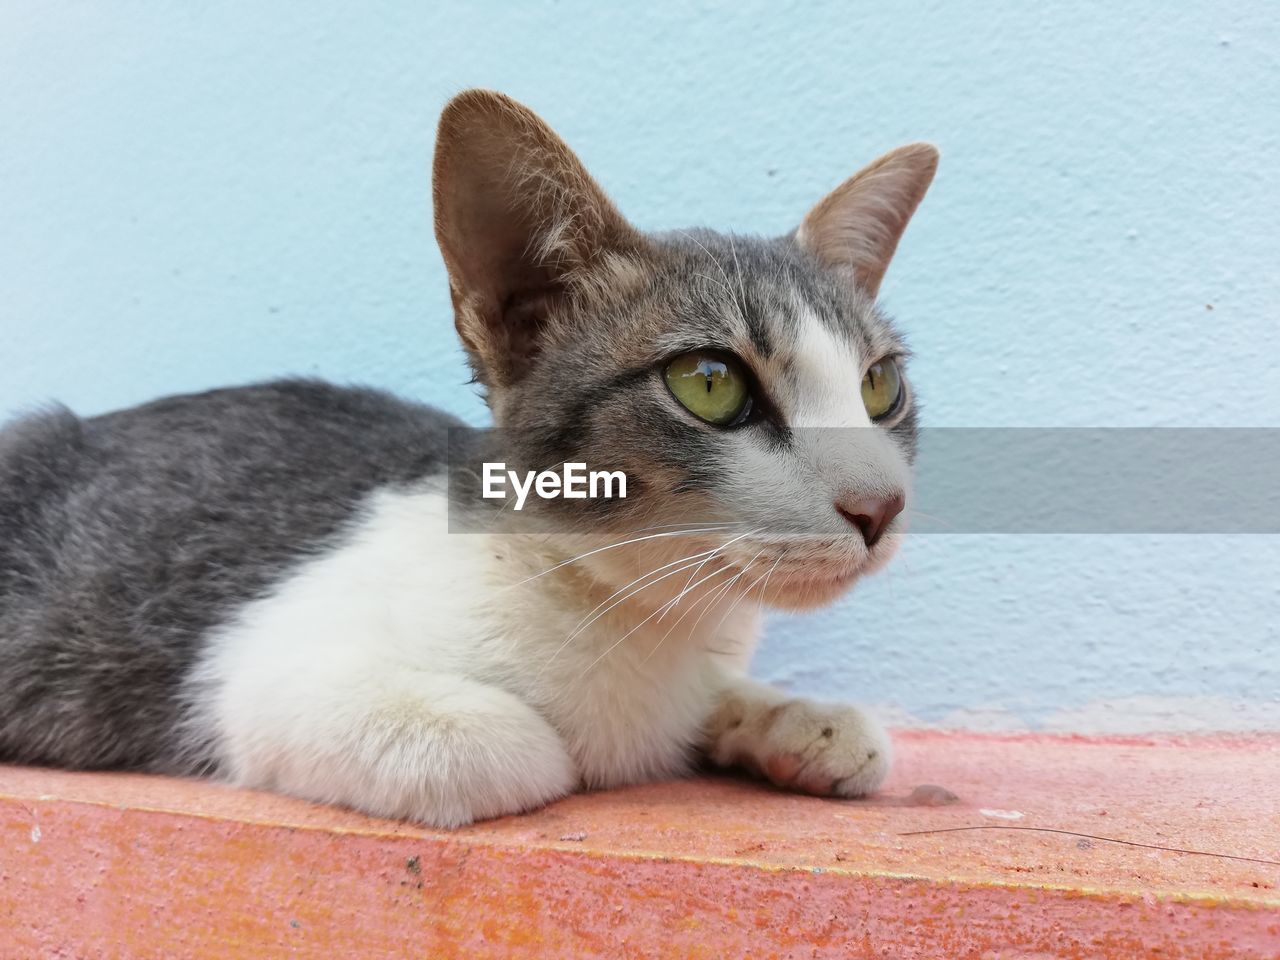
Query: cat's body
[269, 584]
[196, 585]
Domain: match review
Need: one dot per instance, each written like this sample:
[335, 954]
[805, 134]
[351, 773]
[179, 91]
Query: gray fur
[125, 538]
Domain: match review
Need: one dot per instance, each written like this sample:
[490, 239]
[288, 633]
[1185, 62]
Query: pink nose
[871, 515]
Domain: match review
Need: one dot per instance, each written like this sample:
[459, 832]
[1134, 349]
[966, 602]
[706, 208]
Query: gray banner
[994, 480]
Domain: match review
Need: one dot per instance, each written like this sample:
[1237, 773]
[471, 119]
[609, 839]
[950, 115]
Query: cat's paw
[823, 749]
[829, 751]
[438, 749]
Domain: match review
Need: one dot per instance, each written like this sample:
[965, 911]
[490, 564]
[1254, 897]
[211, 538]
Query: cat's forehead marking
[848, 314]
[824, 383]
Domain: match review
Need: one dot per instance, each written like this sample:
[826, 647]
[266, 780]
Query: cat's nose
[871, 515]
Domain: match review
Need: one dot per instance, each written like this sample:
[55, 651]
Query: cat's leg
[818, 748]
[438, 749]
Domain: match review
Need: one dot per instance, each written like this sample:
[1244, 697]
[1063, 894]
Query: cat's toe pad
[824, 750]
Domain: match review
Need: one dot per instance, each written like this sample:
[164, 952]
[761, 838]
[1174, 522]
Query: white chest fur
[405, 637]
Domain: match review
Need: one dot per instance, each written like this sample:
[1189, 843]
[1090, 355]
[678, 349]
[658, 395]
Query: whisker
[687, 523]
[613, 646]
[704, 562]
[711, 256]
[765, 589]
[721, 591]
[670, 604]
[737, 268]
[688, 610]
[746, 593]
[583, 626]
[645, 576]
[724, 287]
[613, 546]
[741, 308]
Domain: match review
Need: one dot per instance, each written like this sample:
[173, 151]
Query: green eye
[709, 385]
[881, 388]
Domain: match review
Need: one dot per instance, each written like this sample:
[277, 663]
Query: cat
[276, 585]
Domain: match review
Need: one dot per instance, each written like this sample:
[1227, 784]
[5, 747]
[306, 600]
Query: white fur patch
[830, 371]
[412, 672]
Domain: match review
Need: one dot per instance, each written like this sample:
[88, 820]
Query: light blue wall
[199, 194]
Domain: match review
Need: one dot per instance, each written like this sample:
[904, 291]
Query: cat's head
[750, 389]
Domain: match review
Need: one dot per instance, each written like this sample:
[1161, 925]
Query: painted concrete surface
[197, 195]
[131, 865]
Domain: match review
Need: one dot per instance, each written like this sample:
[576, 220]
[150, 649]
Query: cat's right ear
[856, 227]
[520, 223]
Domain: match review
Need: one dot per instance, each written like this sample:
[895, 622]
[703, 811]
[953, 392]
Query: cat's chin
[818, 584]
[805, 591]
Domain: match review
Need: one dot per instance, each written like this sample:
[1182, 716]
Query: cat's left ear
[857, 226]
[523, 228]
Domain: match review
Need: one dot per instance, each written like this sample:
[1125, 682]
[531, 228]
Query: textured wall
[193, 195]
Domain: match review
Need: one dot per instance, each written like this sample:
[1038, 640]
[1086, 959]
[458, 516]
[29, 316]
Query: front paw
[822, 749]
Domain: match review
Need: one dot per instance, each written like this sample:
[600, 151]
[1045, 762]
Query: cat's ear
[857, 225]
[521, 224]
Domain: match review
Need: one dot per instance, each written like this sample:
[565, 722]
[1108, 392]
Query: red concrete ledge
[133, 866]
